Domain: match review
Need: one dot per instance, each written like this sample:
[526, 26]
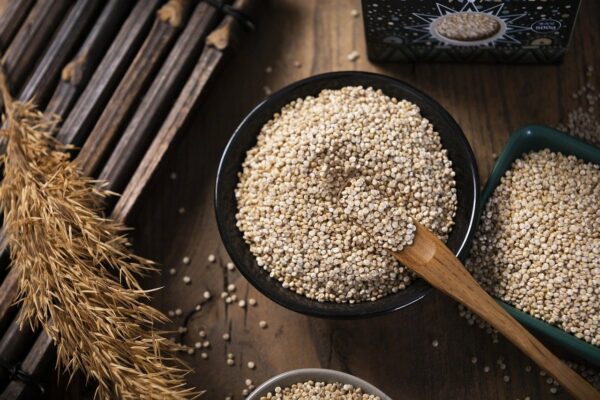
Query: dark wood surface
[393, 352]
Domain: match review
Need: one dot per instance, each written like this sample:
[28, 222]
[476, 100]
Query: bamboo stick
[67, 37]
[13, 346]
[76, 74]
[218, 44]
[154, 106]
[31, 39]
[10, 20]
[108, 74]
[149, 58]
[39, 356]
[143, 11]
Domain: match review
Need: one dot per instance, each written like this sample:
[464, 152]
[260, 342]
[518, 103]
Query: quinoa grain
[319, 390]
[288, 195]
[537, 245]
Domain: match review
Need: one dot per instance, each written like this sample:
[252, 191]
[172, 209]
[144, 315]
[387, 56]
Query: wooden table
[393, 352]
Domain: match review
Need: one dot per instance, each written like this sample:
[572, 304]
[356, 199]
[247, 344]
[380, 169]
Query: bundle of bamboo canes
[109, 71]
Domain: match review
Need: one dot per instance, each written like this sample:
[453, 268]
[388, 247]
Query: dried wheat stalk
[76, 272]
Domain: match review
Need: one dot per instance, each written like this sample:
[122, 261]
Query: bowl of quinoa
[537, 246]
[317, 383]
[320, 169]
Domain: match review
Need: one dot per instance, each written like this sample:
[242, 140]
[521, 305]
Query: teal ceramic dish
[532, 138]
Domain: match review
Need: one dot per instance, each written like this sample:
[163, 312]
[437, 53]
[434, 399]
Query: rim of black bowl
[244, 138]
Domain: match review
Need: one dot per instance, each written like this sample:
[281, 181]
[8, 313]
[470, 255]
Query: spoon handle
[433, 261]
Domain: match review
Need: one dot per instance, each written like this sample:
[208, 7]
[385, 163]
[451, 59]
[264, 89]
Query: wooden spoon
[429, 257]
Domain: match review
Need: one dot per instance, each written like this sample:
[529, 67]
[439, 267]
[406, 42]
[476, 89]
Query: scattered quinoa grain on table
[319, 390]
[185, 260]
[288, 196]
[537, 246]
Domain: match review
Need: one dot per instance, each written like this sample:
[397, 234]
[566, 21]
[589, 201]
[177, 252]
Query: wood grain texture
[38, 359]
[107, 76]
[429, 257]
[156, 101]
[128, 94]
[31, 39]
[395, 351]
[76, 74]
[12, 14]
[68, 36]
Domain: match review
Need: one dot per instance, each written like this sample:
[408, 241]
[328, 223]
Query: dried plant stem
[108, 74]
[218, 44]
[132, 87]
[10, 20]
[76, 272]
[32, 37]
[76, 74]
[43, 79]
[156, 101]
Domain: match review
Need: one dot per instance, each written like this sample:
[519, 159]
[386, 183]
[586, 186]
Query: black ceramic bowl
[244, 138]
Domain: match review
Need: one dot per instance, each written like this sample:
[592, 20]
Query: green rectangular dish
[532, 138]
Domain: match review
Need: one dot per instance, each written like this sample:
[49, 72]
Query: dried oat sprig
[77, 273]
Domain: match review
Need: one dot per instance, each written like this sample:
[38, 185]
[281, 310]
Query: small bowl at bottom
[288, 378]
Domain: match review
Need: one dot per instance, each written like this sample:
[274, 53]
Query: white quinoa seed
[191, 351]
[206, 294]
[506, 378]
[204, 355]
[198, 345]
[231, 287]
[319, 390]
[172, 271]
[268, 69]
[353, 55]
[230, 362]
[252, 301]
[354, 13]
[248, 382]
[202, 333]
[171, 313]
[173, 176]
[251, 364]
[435, 343]
[262, 324]
[242, 303]
[211, 258]
[537, 244]
[297, 64]
[289, 191]
[474, 360]
[230, 266]
[181, 210]
[178, 311]
[226, 337]
[198, 307]
[187, 280]
[185, 260]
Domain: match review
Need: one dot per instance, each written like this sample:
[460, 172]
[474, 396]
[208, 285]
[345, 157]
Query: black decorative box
[493, 31]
